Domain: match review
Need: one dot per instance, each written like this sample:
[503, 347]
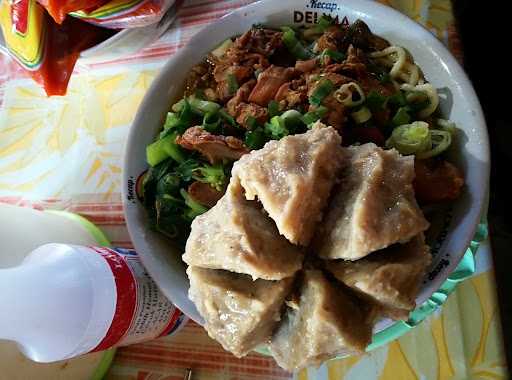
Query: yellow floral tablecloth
[66, 153]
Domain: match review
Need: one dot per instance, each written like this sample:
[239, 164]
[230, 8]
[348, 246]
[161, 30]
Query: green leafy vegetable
[211, 122]
[164, 148]
[168, 184]
[172, 149]
[155, 152]
[227, 117]
[169, 220]
[194, 208]
[322, 89]
[151, 179]
[176, 107]
[203, 106]
[171, 120]
[213, 175]
[197, 105]
[199, 93]
[185, 170]
[179, 121]
[293, 45]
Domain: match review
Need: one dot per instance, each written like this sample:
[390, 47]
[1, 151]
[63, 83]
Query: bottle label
[142, 311]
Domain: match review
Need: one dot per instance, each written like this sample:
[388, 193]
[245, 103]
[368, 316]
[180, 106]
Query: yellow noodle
[344, 94]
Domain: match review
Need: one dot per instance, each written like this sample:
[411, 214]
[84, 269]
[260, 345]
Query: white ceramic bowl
[459, 104]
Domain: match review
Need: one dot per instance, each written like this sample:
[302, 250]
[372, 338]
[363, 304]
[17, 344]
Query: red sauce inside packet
[63, 46]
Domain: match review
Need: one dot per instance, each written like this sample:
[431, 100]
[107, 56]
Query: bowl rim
[368, 7]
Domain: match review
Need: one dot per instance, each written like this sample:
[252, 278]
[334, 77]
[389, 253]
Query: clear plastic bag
[59, 9]
[46, 50]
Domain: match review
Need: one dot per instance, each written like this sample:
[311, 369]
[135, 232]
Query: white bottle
[66, 300]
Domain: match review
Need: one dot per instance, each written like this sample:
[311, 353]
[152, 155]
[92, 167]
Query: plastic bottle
[66, 300]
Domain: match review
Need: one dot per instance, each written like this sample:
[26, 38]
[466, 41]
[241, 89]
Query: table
[66, 153]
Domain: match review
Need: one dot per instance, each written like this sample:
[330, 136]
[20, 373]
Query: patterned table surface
[66, 152]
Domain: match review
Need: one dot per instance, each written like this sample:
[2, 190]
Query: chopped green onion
[375, 101]
[441, 140]
[292, 120]
[255, 139]
[384, 77]
[312, 116]
[325, 21]
[227, 117]
[362, 115]
[323, 89]
[291, 115]
[398, 99]
[335, 55]
[315, 31]
[276, 129]
[195, 208]
[350, 94]
[410, 138]
[273, 108]
[401, 117]
[416, 106]
[232, 84]
[293, 45]
[211, 122]
[251, 122]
